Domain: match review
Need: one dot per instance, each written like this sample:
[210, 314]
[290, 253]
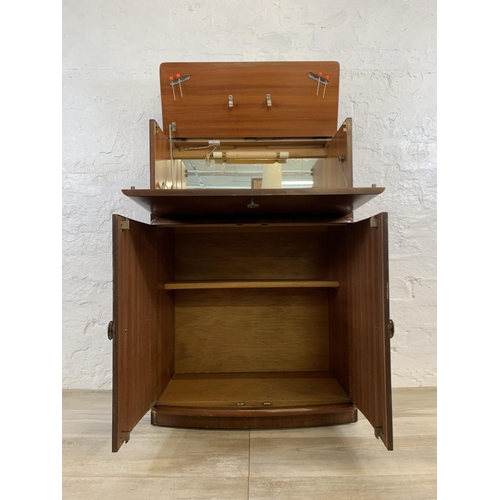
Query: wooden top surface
[251, 203]
[299, 106]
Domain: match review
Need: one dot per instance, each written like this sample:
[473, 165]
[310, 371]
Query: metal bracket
[125, 436]
[180, 79]
[230, 97]
[173, 127]
[341, 161]
[125, 224]
[111, 330]
[269, 102]
[374, 222]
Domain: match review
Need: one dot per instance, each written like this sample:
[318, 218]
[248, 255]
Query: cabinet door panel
[135, 332]
[368, 323]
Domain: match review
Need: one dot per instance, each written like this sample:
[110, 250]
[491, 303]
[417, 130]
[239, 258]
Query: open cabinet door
[134, 329]
[368, 324]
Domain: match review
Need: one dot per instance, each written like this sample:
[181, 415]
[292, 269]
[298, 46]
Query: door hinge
[125, 436]
[374, 222]
[155, 129]
[125, 224]
[111, 330]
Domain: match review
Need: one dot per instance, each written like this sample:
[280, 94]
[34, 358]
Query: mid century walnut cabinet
[251, 308]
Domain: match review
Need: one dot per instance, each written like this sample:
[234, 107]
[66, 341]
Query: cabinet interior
[254, 321]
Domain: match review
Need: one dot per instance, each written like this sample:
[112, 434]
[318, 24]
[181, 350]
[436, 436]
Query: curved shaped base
[253, 418]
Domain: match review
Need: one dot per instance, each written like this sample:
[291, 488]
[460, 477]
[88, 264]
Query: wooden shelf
[206, 285]
[244, 390]
[247, 204]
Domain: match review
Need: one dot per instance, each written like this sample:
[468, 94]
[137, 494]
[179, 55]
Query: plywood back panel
[251, 331]
[251, 255]
[298, 106]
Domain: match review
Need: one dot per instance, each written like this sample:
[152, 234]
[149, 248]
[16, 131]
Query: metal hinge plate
[125, 224]
[374, 222]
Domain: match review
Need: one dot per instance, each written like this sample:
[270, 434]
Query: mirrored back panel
[294, 173]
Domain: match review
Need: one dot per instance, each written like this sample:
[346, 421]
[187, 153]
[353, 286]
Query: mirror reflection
[294, 173]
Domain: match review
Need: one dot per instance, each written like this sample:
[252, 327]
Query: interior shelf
[204, 285]
[244, 390]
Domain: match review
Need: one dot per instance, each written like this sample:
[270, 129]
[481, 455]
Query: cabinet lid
[250, 99]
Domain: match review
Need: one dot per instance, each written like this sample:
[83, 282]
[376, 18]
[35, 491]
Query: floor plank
[343, 462]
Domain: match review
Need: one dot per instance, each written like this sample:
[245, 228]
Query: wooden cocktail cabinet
[252, 299]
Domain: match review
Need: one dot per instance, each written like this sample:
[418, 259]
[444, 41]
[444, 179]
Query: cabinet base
[253, 418]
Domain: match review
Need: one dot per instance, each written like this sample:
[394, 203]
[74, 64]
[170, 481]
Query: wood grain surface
[251, 331]
[265, 254]
[197, 204]
[216, 285]
[253, 389]
[296, 111]
[367, 317]
[135, 339]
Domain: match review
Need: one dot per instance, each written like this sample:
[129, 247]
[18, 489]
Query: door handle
[391, 328]
[111, 330]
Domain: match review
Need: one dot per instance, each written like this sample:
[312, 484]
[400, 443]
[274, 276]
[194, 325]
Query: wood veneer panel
[165, 310]
[253, 389]
[198, 204]
[135, 338]
[296, 111]
[251, 331]
[338, 305]
[217, 285]
[163, 172]
[258, 255]
[367, 318]
[330, 172]
[274, 418]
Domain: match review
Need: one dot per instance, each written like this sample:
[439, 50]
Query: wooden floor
[341, 462]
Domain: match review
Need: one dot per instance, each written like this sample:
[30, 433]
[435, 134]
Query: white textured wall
[112, 51]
